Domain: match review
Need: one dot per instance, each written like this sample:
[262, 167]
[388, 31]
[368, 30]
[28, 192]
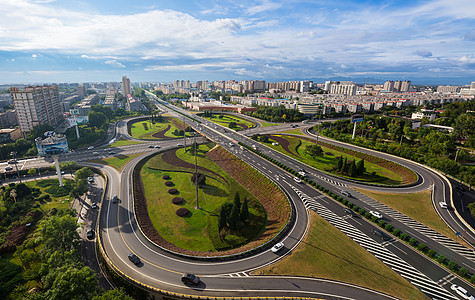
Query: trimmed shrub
[441, 259]
[389, 227]
[172, 191]
[182, 212]
[345, 202]
[339, 198]
[463, 272]
[452, 265]
[381, 223]
[374, 219]
[168, 183]
[431, 253]
[177, 200]
[422, 247]
[397, 232]
[362, 211]
[350, 204]
[356, 208]
[413, 242]
[367, 215]
[166, 177]
[472, 279]
[404, 236]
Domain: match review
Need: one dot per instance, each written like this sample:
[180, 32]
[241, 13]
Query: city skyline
[429, 42]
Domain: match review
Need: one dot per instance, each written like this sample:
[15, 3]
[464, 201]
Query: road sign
[357, 118]
[49, 133]
[457, 233]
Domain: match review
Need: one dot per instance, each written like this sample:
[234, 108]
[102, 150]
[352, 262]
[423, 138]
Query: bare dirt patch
[161, 133]
[283, 142]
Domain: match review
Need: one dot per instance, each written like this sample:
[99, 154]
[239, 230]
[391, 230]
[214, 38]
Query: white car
[90, 147]
[462, 292]
[376, 214]
[443, 205]
[296, 179]
[303, 173]
[346, 193]
[277, 247]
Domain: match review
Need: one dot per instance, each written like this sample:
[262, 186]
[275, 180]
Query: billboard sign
[357, 118]
[52, 145]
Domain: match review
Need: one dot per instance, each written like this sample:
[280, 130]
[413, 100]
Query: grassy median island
[380, 171]
[123, 142]
[328, 253]
[226, 120]
[118, 162]
[158, 130]
[417, 206]
[199, 230]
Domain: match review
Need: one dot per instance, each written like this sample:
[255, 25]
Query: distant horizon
[429, 42]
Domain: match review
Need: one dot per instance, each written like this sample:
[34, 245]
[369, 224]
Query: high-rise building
[125, 86]
[389, 86]
[405, 86]
[37, 105]
[82, 90]
[343, 87]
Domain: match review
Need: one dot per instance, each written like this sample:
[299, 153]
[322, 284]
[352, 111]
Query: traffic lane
[403, 251]
[428, 241]
[462, 198]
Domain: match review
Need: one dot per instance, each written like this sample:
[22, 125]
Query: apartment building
[125, 86]
[8, 119]
[37, 105]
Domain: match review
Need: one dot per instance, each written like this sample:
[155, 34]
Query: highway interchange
[161, 269]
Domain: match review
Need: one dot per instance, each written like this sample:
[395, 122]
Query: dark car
[115, 199]
[90, 234]
[134, 258]
[381, 234]
[350, 212]
[187, 278]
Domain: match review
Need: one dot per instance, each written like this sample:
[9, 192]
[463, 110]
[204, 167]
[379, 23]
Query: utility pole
[184, 132]
[196, 173]
[13, 153]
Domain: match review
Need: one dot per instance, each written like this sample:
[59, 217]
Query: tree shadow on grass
[214, 191]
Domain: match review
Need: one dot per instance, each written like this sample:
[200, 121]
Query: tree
[360, 168]
[114, 294]
[38, 131]
[464, 125]
[60, 233]
[233, 219]
[96, 119]
[237, 200]
[10, 276]
[313, 150]
[232, 125]
[471, 207]
[352, 169]
[83, 173]
[345, 167]
[339, 166]
[222, 219]
[72, 283]
[244, 210]
[68, 165]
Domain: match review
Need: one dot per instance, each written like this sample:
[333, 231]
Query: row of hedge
[451, 265]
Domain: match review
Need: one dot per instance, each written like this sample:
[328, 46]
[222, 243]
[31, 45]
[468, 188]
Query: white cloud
[114, 63]
[264, 6]
[34, 55]
[12, 59]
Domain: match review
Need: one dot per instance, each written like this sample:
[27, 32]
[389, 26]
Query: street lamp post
[196, 173]
[13, 153]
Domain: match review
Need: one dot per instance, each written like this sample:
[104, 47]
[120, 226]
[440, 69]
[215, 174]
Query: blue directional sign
[357, 118]
[457, 233]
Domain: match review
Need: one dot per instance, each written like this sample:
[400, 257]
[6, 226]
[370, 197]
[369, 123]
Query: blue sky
[367, 41]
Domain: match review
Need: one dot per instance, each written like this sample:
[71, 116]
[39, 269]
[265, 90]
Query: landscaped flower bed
[168, 183]
[177, 200]
[172, 191]
[182, 212]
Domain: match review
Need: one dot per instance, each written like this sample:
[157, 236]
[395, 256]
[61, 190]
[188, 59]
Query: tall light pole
[184, 133]
[196, 172]
[13, 153]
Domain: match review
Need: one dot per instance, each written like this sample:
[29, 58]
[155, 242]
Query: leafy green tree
[345, 167]
[471, 207]
[237, 200]
[113, 294]
[339, 166]
[313, 150]
[222, 219]
[352, 169]
[360, 168]
[10, 276]
[464, 125]
[72, 283]
[232, 125]
[96, 119]
[83, 173]
[233, 219]
[244, 210]
[60, 233]
[68, 165]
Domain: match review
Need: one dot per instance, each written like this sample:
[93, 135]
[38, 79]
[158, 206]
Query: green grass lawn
[58, 202]
[293, 131]
[118, 162]
[123, 142]
[228, 119]
[327, 162]
[138, 130]
[417, 206]
[328, 253]
[199, 230]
